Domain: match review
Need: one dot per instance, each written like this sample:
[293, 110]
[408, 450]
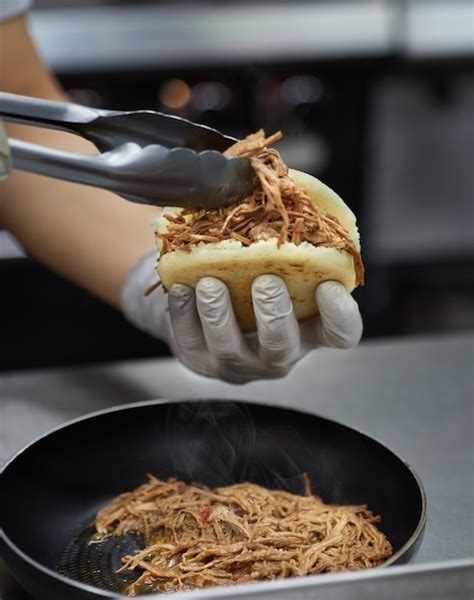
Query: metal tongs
[146, 156]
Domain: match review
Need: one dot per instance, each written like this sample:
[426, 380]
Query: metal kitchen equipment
[147, 156]
[53, 488]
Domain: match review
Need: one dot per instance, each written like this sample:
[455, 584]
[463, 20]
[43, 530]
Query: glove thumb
[340, 325]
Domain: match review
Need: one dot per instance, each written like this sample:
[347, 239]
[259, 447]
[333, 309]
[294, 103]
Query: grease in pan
[49, 499]
[199, 537]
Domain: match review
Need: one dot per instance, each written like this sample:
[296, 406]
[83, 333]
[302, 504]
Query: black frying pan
[52, 489]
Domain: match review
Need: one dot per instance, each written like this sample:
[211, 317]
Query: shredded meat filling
[199, 537]
[277, 209]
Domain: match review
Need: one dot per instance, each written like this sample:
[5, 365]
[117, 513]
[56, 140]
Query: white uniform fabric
[13, 8]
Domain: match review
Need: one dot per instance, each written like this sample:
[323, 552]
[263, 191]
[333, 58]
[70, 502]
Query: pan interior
[53, 489]
[95, 562]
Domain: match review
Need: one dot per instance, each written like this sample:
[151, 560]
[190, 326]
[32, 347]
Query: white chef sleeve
[13, 8]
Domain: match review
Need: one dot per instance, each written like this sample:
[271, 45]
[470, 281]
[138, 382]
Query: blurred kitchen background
[374, 97]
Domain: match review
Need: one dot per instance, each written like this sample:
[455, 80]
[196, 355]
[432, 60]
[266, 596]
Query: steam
[220, 443]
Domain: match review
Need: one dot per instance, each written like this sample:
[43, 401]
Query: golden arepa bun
[302, 267]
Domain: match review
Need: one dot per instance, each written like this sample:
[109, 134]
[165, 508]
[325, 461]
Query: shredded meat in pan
[199, 537]
[277, 209]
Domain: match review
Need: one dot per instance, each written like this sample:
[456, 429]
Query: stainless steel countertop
[98, 38]
[190, 35]
[414, 394]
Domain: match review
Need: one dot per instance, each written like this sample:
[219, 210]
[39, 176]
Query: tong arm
[151, 175]
[108, 129]
[45, 113]
[79, 168]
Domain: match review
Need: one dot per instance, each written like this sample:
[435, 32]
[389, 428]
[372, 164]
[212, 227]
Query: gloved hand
[202, 331]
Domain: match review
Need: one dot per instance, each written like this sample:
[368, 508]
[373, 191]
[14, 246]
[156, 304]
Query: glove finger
[340, 323]
[188, 338]
[224, 339]
[277, 327]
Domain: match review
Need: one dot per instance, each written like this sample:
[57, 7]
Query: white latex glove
[202, 331]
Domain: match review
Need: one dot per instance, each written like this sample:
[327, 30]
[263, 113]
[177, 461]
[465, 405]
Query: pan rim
[157, 401]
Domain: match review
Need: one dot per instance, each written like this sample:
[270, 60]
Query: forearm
[87, 235]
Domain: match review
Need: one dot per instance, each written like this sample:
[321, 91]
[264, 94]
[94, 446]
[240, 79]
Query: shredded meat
[199, 537]
[277, 209]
